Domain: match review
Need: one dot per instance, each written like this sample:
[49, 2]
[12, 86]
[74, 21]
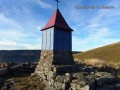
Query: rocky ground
[21, 82]
[15, 76]
[86, 81]
[86, 78]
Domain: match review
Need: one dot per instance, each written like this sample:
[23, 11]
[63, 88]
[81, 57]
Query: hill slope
[19, 55]
[109, 53]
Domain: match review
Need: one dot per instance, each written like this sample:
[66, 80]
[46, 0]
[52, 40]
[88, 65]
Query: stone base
[57, 57]
[49, 59]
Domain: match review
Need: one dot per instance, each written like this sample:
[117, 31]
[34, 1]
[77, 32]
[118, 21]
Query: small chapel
[56, 48]
[57, 35]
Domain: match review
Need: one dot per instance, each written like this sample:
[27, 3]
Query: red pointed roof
[57, 20]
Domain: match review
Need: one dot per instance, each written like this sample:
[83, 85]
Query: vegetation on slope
[109, 54]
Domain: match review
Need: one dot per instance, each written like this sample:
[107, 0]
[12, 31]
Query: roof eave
[57, 27]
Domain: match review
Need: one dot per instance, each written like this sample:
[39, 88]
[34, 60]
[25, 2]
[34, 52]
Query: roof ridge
[56, 16]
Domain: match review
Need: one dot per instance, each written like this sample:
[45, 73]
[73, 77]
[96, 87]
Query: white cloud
[97, 29]
[15, 36]
[13, 32]
[14, 7]
[12, 45]
[7, 43]
[98, 33]
[5, 20]
[32, 46]
[95, 38]
[43, 4]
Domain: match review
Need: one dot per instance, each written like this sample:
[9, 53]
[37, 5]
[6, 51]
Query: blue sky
[21, 21]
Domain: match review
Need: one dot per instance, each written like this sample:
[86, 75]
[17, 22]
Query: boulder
[103, 78]
[3, 71]
[117, 86]
[59, 86]
[118, 72]
[60, 79]
[51, 82]
[79, 87]
[51, 74]
[105, 87]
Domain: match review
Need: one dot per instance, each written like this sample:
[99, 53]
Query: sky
[21, 21]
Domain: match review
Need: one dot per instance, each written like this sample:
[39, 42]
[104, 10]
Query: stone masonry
[50, 60]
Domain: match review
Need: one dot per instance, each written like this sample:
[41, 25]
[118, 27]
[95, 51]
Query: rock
[68, 74]
[104, 78]
[51, 82]
[80, 74]
[118, 72]
[63, 86]
[4, 88]
[89, 69]
[109, 70]
[83, 81]
[32, 74]
[32, 66]
[92, 73]
[59, 85]
[3, 71]
[79, 83]
[44, 77]
[1, 81]
[101, 81]
[70, 88]
[87, 87]
[79, 87]
[41, 79]
[106, 87]
[51, 74]
[117, 86]
[14, 68]
[73, 86]
[91, 79]
[67, 78]
[59, 79]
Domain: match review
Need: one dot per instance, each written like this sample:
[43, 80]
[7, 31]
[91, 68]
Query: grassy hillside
[109, 53]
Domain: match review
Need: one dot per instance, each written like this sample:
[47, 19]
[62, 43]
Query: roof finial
[57, 3]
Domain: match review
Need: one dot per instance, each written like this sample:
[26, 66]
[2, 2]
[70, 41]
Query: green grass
[109, 53]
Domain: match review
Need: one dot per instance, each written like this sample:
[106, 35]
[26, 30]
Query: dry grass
[114, 65]
[109, 55]
[28, 83]
[101, 63]
[95, 62]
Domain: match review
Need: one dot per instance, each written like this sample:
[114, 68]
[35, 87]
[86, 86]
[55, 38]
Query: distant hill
[109, 53]
[19, 55]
